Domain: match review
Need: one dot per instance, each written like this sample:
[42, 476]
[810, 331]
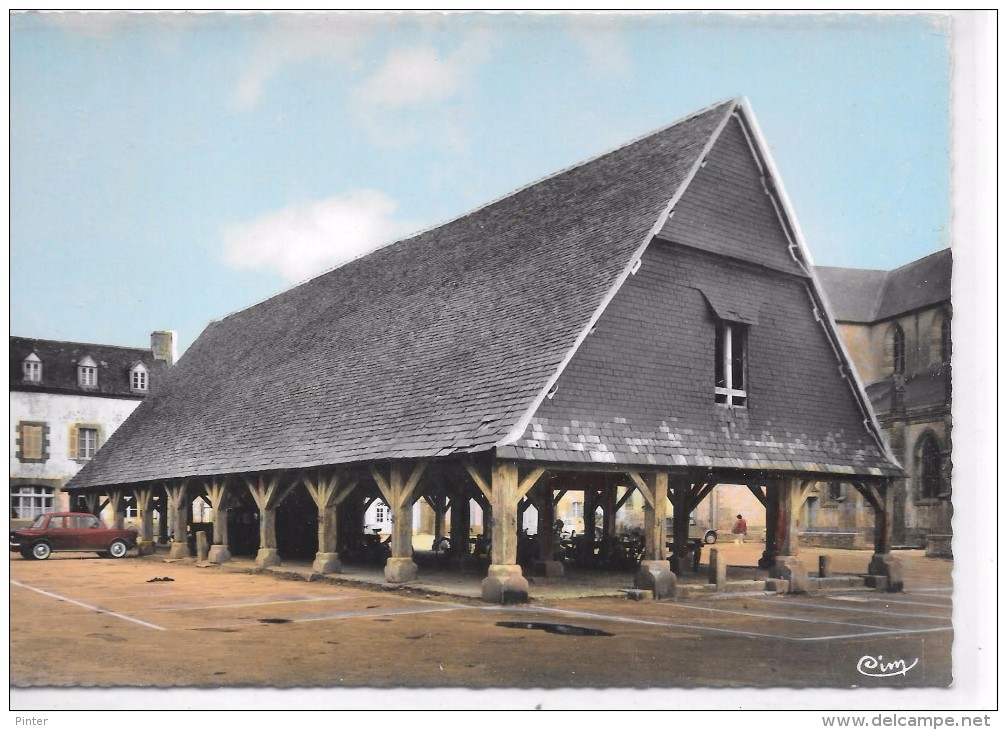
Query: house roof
[868, 295]
[439, 344]
[59, 367]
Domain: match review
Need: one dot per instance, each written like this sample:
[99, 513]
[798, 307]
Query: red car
[70, 531]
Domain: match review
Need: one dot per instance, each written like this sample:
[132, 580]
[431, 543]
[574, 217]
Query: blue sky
[168, 169]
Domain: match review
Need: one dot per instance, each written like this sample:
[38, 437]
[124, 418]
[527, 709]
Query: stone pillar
[216, 492]
[883, 563]
[504, 582]
[144, 508]
[178, 511]
[787, 564]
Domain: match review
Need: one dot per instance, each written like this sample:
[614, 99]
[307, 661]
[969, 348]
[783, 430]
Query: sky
[167, 169]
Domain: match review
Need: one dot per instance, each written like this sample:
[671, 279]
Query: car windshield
[39, 521]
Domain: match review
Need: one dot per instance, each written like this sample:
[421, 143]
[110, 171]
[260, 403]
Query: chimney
[162, 344]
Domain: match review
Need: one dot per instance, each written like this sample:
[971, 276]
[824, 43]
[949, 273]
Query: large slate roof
[868, 295]
[59, 367]
[437, 344]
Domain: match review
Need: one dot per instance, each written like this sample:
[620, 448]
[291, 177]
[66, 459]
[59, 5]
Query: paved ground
[108, 623]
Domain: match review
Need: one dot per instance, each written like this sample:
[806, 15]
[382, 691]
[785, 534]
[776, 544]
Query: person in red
[740, 530]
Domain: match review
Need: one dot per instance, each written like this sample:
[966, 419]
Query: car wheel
[117, 549]
[41, 551]
[711, 537]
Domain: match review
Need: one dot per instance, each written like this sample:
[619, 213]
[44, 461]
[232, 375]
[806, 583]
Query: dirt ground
[119, 623]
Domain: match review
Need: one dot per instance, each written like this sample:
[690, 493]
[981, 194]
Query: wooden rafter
[529, 481]
[645, 489]
[481, 482]
[759, 492]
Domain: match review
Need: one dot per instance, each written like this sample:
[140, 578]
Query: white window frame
[31, 500]
[87, 373]
[728, 394]
[32, 368]
[138, 379]
[87, 446]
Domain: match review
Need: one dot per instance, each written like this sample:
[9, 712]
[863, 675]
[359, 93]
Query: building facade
[66, 399]
[896, 326]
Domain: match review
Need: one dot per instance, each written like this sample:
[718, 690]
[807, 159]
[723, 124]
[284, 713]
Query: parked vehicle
[698, 532]
[71, 532]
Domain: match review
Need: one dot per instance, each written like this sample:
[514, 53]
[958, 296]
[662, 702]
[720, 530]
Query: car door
[56, 532]
[93, 534]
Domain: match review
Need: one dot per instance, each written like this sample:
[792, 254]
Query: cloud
[304, 240]
[294, 38]
[602, 39]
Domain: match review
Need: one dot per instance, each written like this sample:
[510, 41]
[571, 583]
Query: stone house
[645, 322]
[897, 328]
[66, 399]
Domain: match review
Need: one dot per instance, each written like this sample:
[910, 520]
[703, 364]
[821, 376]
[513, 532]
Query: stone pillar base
[146, 547]
[548, 568]
[505, 584]
[768, 559]
[178, 550]
[218, 554]
[267, 557]
[656, 576]
[791, 569]
[890, 567]
[939, 546]
[400, 570]
[327, 563]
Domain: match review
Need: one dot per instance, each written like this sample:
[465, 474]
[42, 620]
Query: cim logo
[877, 666]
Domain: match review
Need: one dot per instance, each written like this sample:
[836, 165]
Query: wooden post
[771, 501]
[267, 496]
[217, 495]
[144, 507]
[397, 492]
[327, 493]
[680, 492]
[654, 573]
[177, 508]
[115, 499]
[504, 582]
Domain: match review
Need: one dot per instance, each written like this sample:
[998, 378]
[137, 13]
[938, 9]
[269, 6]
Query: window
[138, 378]
[929, 467]
[87, 373]
[578, 509]
[27, 503]
[835, 491]
[32, 441]
[84, 440]
[380, 512]
[898, 350]
[731, 363]
[32, 369]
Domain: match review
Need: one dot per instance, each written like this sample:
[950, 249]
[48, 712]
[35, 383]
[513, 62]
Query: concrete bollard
[824, 566]
[718, 569]
[202, 546]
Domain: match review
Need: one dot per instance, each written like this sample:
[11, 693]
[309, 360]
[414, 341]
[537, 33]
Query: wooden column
[461, 522]
[144, 497]
[680, 493]
[91, 502]
[179, 518]
[546, 509]
[655, 511]
[115, 500]
[397, 492]
[883, 564]
[217, 495]
[268, 493]
[327, 492]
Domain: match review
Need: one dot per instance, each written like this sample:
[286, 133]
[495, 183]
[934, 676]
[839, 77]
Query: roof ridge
[74, 342]
[461, 216]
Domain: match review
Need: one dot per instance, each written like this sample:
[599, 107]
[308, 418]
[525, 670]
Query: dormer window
[138, 378]
[87, 373]
[33, 369]
[731, 363]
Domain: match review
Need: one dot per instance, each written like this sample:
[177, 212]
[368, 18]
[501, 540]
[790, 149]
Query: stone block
[547, 568]
[505, 584]
[267, 557]
[939, 546]
[791, 569]
[179, 550]
[887, 565]
[400, 570]
[146, 547]
[656, 576]
[777, 585]
[327, 563]
[718, 569]
[202, 546]
[218, 554]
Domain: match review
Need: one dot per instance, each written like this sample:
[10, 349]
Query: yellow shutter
[72, 439]
[31, 442]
